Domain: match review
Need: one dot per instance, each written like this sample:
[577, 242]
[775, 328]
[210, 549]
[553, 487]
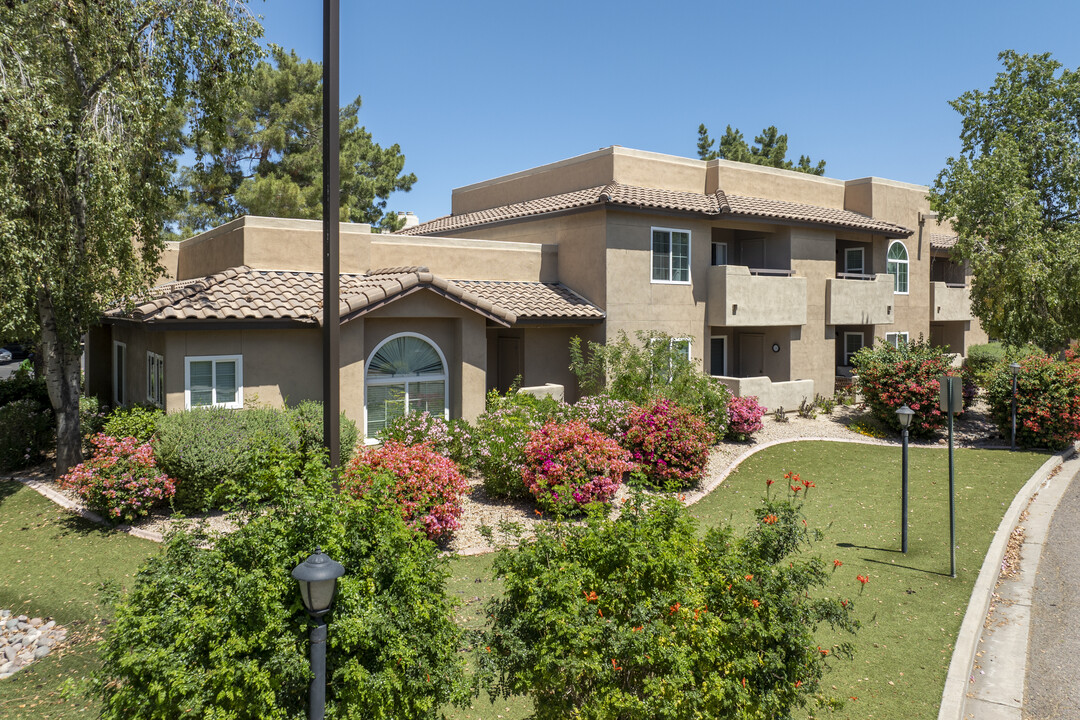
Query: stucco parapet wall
[949, 303]
[786, 394]
[736, 298]
[859, 302]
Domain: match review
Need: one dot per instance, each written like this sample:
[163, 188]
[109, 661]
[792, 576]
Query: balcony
[739, 296]
[852, 299]
[787, 394]
[949, 302]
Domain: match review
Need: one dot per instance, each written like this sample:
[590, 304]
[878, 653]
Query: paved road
[1052, 686]
[8, 369]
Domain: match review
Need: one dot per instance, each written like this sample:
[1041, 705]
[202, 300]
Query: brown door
[509, 362]
[751, 354]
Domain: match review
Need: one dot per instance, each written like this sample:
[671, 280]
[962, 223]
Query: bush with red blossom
[429, 486]
[569, 465]
[121, 480]
[1047, 401]
[669, 443]
[744, 417]
[907, 374]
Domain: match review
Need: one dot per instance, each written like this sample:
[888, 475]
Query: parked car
[5, 355]
[15, 351]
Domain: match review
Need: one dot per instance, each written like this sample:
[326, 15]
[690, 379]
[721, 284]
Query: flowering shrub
[744, 417]
[500, 438]
[453, 439]
[670, 444]
[428, 488]
[26, 431]
[605, 414]
[121, 480]
[891, 377]
[1047, 401]
[568, 465]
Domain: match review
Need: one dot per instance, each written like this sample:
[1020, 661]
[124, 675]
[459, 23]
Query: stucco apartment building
[770, 279]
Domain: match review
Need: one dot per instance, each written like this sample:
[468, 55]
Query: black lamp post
[1014, 368]
[904, 415]
[318, 584]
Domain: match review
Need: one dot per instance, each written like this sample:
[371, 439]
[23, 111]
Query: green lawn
[55, 565]
[910, 610]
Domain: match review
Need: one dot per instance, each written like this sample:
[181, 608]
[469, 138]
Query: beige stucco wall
[737, 298]
[813, 345]
[756, 181]
[100, 360]
[468, 259]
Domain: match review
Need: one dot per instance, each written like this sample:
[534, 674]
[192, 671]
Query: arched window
[898, 266]
[405, 374]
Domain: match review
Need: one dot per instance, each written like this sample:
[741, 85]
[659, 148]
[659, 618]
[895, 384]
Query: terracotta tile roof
[942, 242]
[718, 205]
[242, 293]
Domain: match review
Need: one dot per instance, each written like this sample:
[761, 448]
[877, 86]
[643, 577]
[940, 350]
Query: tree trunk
[62, 378]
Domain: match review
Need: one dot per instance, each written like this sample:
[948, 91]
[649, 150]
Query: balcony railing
[864, 300]
[739, 296]
[949, 302]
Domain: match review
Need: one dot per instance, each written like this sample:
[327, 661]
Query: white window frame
[862, 260]
[215, 359]
[715, 245]
[672, 340]
[670, 256]
[896, 276]
[155, 379]
[894, 338]
[406, 379]
[862, 344]
[724, 360]
[119, 373]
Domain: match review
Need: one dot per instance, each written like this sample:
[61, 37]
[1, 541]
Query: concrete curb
[954, 695]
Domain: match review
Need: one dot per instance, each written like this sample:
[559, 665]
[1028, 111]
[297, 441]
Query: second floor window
[670, 255]
[898, 266]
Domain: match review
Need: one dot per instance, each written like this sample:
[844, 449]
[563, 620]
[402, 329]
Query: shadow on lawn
[8, 488]
[867, 547]
[907, 567]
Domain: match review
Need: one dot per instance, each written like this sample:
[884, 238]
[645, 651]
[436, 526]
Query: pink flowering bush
[670, 444]
[1047, 401]
[121, 480]
[908, 374]
[744, 417]
[429, 486]
[605, 414]
[452, 439]
[569, 465]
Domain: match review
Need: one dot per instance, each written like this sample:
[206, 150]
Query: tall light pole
[904, 415]
[1014, 368]
[331, 200]
[318, 577]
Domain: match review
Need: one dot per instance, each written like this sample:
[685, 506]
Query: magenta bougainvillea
[121, 480]
[570, 465]
[744, 416]
[429, 486]
[670, 444]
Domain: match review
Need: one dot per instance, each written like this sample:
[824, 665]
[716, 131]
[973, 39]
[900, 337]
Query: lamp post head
[1014, 368]
[904, 415]
[318, 582]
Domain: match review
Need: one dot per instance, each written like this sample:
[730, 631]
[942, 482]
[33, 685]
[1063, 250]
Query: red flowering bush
[569, 465]
[670, 444]
[890, 377]
[1047, 401]
[121, 480]
[744, 417]
[429, 486]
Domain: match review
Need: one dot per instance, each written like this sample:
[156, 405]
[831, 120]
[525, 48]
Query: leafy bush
[669, 443]
[92, 416]
[453, 439]
[428, 487]
[890, 377]
[217, 629]
[26, 433]
[605, 414]
[1047, 401]
[121, 480]
[639, 618]
[982, 360]
[23, 386]
[501, 434]
[744, 417]
[137, 421]
[217, 456]
[655, 367]
[307, 421]
[827, 404]
[569, 466]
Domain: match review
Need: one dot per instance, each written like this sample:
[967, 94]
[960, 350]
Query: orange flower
[599, 612]
[769, 482]
[538, 512]
[589, 596]
[638, 628]
[756, 602]
[614, 665]
[808, 484]
[744, 682]
[798, 683]
[675, 608]
[862, 578]
[749, 577]
[836, 563]
[823, 651]
[769, 519]
[795, 489]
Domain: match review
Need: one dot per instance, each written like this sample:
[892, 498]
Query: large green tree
[90, 93]
[1013, 194]
[769, 149]
[271, 161]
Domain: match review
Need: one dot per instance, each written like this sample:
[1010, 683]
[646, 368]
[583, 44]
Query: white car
[5, 355]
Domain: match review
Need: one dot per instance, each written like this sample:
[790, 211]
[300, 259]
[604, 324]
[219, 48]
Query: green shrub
[1048, 401]
[654, 367]
[983, 361]
[307, 420]
[908, 374]
[453, 439]
[92, 418]
[221, 632]
[218, 456]
[26, 433]
[22, 386]
[137, 421]
[639, 617]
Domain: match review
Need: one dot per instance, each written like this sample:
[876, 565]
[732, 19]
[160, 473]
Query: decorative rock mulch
[24, 640]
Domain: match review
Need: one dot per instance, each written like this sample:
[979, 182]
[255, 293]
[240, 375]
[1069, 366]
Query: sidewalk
[1025, 662]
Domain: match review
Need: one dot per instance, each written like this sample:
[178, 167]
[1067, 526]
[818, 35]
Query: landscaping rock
[23, 640]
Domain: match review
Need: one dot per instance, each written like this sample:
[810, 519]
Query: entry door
[751, 354]
[509, 361]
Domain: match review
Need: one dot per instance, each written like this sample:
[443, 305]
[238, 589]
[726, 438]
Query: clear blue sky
[476, 89]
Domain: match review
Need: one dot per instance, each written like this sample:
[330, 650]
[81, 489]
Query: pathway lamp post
[318, 577]
[1014, 368]
[904, 415]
